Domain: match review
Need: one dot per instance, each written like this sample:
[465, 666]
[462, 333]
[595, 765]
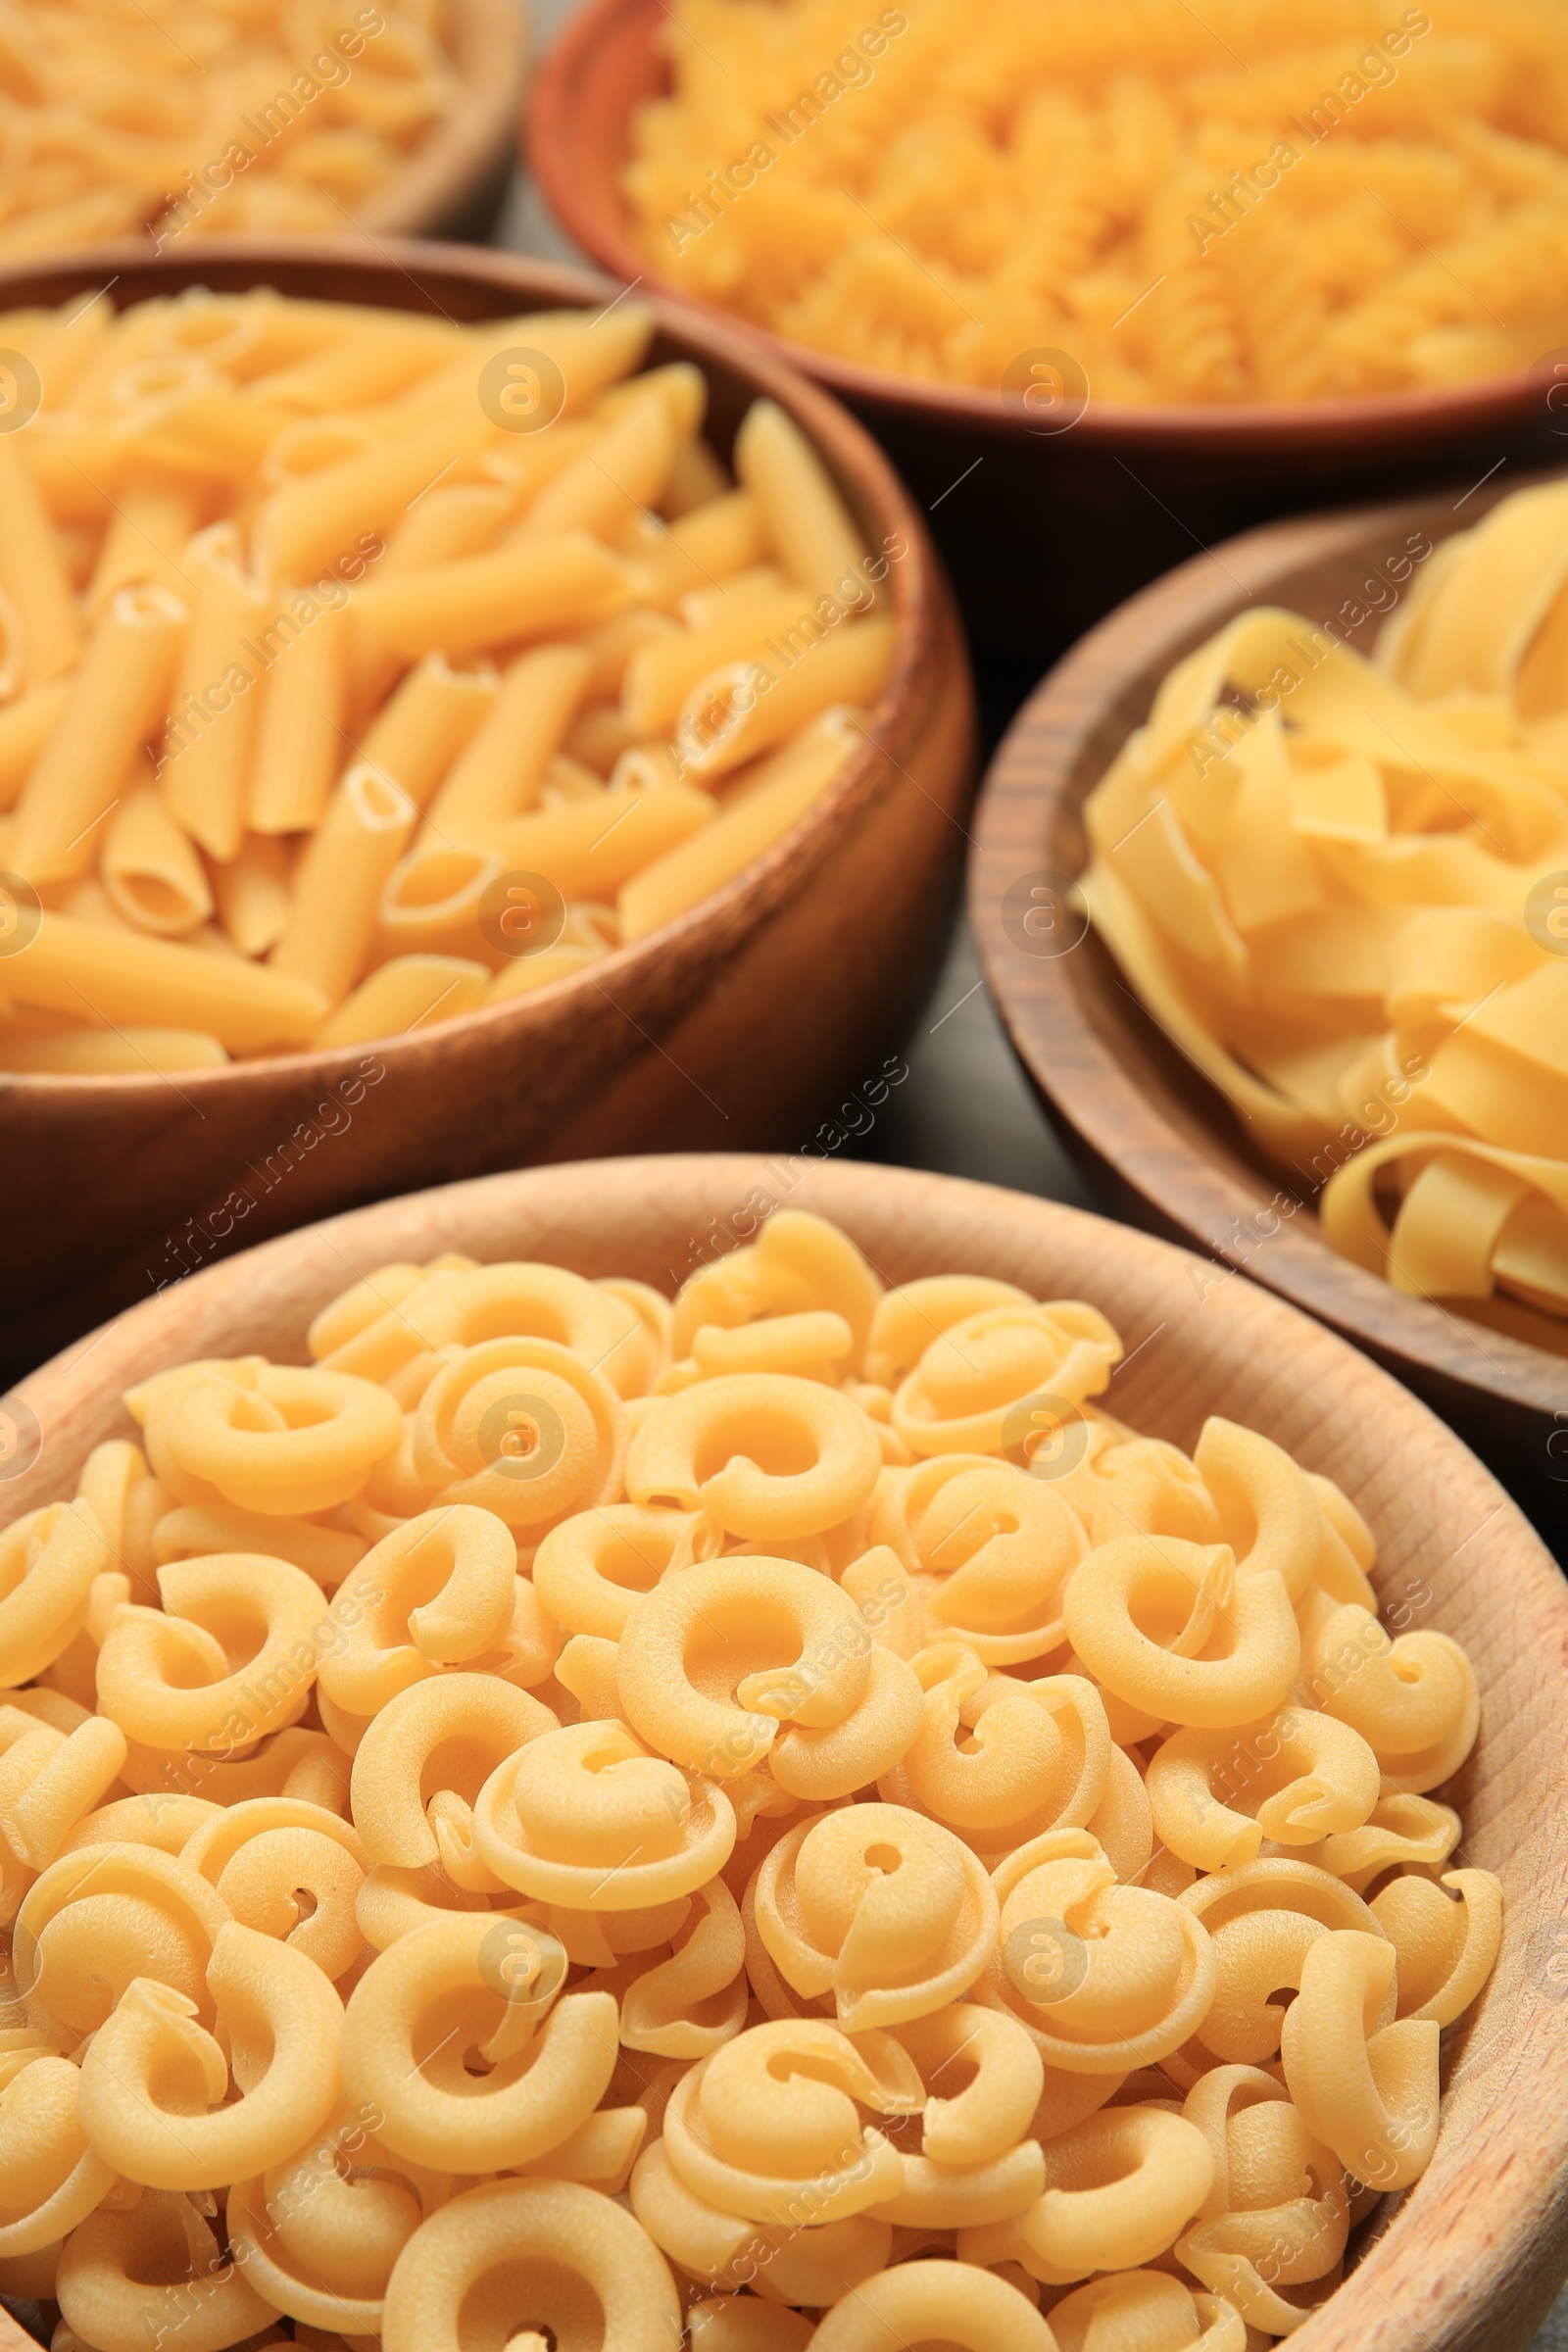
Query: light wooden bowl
[1042, 536]
[737, 1024]
[1471, 2258]
[454, 185]
[1163, 1144]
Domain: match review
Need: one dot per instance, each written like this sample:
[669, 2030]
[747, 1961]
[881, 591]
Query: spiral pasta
[950, 1884]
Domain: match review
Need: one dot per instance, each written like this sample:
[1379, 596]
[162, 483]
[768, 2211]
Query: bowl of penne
[1267, 892]
[1126, 281]
[450, 715]
[1211, 1460]
[313, 122]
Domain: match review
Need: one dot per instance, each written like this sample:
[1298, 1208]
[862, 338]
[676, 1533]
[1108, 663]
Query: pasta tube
[118, 976]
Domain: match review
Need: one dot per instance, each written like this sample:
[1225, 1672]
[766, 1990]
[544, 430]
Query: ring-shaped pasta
[523, 1428]
[1126, 1485]
[1414, 1701]
[319, 2238]
[164, 1676]
[1366, 2085]
[191, 1530]
[48, 1561]
[50, 1781]
[464, 1305]
[1445, 1944]
[151, 2071]
[436, 1738]
[766, 1456]
[436, 1592]
[767, 2128]
[1296, 1779]
[821, 1764]
[1277, 2214]
[1002, 1761]
[153, 1402]
[513, 2254]
[897, 1513]
[1400, 1829]
[376, 1294]
[971, 1376]
[591, 1571]
[973, 2121]
[1268, 1512]
[908, 1318]
[916, 2301]
[163, 1818]
[1171, 1628]
[1004, 1545]
[688, 2005]
[475, 1981]
[1103, 1976]
[585, 1817]
[1350, 1548]
[814, 2262]
[1145, 2307]
[886, 1910]
[299, 1441]
[100, 1916]
[393, 1902]
[746, 2323]
[800, 1263]
[1263, 1919]
[1120, 2187]
[263, 1852]
[127, 2279]
[50, 2178]
[811, 1345]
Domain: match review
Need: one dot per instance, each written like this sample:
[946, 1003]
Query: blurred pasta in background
[1252, 202]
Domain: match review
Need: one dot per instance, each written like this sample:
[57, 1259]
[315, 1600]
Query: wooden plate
[1471, 2258]
[1162, 1144]
[1044, 531]
[736, 1024]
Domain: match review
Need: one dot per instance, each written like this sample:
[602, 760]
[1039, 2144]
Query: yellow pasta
[282, 577]
[693, 1843]
[1129, 204]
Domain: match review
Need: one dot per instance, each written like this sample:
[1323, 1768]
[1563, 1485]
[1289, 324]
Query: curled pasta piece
[101, 1916]
[425, 1759]
[887, 1911]
[585, 1817]
[991, 2082]
[746, 2323]
[767, 2126]
[325, 1553]
[811, 1345]
[163, 1818]
[152, 2073]
[1002, 1761]
[1120, 2187]
[1268, 1513]
[952, 2301]
[457, 1306]
[166, 1678]
[436, 1592]
[50, 2178]
[394, 1901]
[265, 1852]
[799, 1264]
[1004, 1545]
[471, 1983]
[763, 1455]
[686, 2006]
[1295, 1779]
[1399, 1829]
[971, 1377]
[523, 1428]
[1126, 1485]
[537, 2254]
[153, 2274]
[296, 1441]
[1263, 1919]
[1172, 1628]
[1105, 1976]
[1350, 1548]
[1277, 2214]
[319, 2239]
[591, 1571]
[1366, 2085]
[813, 2261]
[154, 1403]
[48, 1561]
[1445, 1944]
[908, 1317]
[1144, 2309]
[50, 1781]
[1413, 1701]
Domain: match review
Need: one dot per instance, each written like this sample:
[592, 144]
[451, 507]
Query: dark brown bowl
[1043, 532]
[738, 1023]
[1157, 1139]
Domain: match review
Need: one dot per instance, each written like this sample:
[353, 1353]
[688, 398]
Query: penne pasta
[430, 720]
[623, 473]
[748, 707]
[299, 731]
[339, 880]
[542, 586]
[407, 992]
[25, 727]
[252, 892]
[500, 772]
[129, 1052]
[33, 576]
[307, 526]
[211, 726]
[156, 516]
[150, 869]
[589, 848]
[705, 545]
[661, 675]
[123, 977]
[803, 516]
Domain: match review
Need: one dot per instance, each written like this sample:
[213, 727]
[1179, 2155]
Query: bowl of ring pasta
[766, 1754]
[448, 715]
[1121, 279]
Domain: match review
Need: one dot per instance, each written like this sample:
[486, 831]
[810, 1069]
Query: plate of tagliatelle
[810, 1754]
[1271, 886]
[1112, 279]
[450, 716]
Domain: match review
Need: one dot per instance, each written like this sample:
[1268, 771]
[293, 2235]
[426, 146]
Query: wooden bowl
[454, 185]
[1160, 1141]
[1473, 2254]
[734, 1025]
[1043, 533]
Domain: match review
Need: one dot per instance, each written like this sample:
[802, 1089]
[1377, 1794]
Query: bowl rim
[549, 143]
[1054, 753]
[490, 46]
[919, 592]
[1441, 2235]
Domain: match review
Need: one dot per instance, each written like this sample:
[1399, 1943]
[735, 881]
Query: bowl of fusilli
[1112, 284]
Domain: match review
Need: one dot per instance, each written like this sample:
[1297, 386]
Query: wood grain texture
[1164, 1144]
[732, 1026]
[1473, 2255]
